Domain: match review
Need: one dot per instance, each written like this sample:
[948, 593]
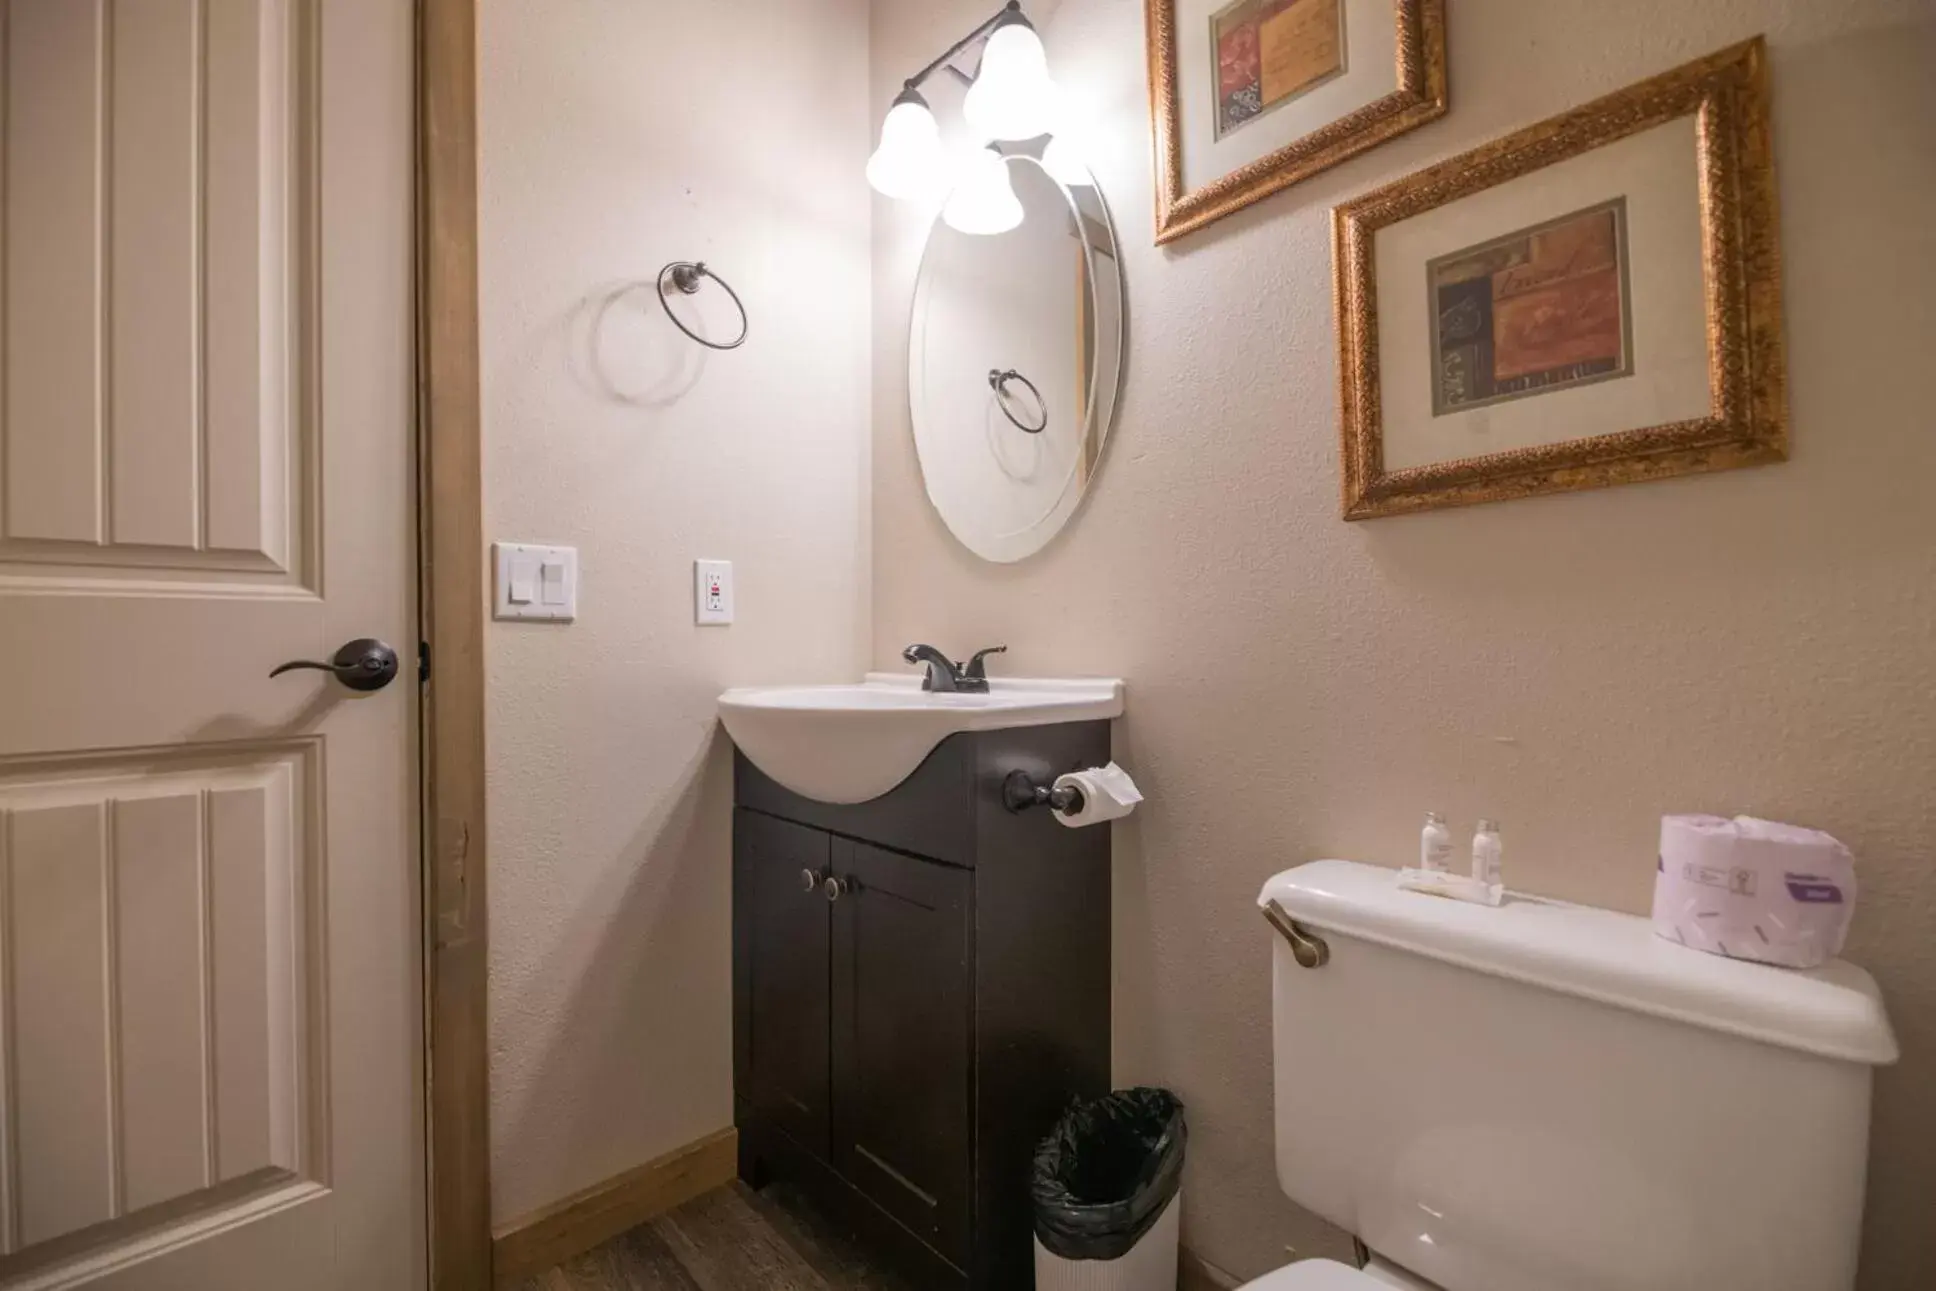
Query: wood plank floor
[731, 1239]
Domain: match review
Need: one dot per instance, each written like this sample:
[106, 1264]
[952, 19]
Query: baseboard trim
[552, 1234]
[1194, 1273]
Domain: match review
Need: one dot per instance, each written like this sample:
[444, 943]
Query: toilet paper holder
[1020, 792]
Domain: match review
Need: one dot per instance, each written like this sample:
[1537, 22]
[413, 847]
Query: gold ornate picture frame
[1531, 336]
[1303, 59]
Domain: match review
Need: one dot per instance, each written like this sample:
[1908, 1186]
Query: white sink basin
[852, 743]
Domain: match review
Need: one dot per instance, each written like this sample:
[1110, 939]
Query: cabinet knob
[810, 879]
[836, 887]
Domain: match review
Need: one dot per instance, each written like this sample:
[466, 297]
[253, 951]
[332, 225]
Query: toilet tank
[1547, 1097]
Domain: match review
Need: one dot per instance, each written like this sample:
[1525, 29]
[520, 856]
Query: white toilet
[1545, 1097]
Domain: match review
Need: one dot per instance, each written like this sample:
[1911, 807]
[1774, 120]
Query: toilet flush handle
[1307, 948]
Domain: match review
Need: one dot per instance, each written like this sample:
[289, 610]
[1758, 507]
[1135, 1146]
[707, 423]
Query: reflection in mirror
[1014, 360]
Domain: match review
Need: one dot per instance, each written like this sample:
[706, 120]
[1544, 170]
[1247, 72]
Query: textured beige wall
[1760, 641]
[618, 136]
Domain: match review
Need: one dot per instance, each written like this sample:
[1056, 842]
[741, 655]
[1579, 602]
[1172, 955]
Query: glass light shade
[1063, 159]
[984, 201]
[909, 163]
[1012, 97]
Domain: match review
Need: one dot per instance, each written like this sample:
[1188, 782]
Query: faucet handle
[974, 669]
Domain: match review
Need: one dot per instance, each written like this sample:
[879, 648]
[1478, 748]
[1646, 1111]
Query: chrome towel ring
[685, 276]
[998, 382]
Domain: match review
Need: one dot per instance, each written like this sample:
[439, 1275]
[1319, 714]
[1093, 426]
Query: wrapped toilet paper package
[1753, 889]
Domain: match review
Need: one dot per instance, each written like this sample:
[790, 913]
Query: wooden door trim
[451, 603]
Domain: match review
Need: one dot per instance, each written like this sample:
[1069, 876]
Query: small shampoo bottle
[1488, 857]
[1434, 845]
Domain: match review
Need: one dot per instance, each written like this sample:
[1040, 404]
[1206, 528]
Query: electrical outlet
[712, 592]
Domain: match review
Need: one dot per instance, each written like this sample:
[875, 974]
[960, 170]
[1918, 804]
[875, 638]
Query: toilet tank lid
[1834, 1011]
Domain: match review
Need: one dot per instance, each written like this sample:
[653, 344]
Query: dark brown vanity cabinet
[921, 984]
[902, 1038]
[866, 992]
[788, 932]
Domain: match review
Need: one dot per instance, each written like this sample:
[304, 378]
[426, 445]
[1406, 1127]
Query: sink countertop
[850, 743]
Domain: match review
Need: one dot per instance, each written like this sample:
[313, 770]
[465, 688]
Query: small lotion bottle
[1434, 845]
[1488, 855]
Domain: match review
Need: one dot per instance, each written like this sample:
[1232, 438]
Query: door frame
[451, 592]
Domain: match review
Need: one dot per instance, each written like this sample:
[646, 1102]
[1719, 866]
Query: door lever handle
[364, 664]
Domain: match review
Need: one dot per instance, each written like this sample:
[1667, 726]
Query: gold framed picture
[1592, 300]
[1250, 96]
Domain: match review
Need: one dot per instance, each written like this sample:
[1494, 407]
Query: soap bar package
[1753, 889]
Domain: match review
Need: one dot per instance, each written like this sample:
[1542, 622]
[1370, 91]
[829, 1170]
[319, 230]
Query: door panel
[902, 1056]
[210, 1048]
[52, 271]
[159, 1026]
[60, 1079]
[785, 932]
[160, 185]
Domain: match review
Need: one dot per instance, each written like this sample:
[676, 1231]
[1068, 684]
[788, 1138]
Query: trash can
[1107, 1185]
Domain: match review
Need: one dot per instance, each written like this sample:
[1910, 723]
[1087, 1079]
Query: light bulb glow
[1012, 97]
[909, 163]
[984, 200]
[1063, 159]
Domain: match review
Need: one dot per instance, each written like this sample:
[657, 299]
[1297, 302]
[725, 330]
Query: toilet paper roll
[1753, 889]
[1107, 794]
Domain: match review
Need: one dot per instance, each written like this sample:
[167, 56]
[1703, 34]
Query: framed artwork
[1593, 300]
[1250, 96]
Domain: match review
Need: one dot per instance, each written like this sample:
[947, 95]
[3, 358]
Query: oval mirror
[1014, 360]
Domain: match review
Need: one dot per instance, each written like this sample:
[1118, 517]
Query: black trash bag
[1106, 1172]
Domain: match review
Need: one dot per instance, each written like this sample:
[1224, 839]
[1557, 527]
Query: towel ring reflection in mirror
[685, 276]
[998, 382]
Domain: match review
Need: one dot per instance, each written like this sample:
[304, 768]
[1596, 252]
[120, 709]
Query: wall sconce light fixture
[1011, 98]
[983, 200]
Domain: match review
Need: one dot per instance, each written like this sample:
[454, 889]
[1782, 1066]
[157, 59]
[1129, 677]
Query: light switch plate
[535, 583]
[712, 592]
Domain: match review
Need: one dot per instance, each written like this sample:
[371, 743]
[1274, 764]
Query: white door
[210, 979]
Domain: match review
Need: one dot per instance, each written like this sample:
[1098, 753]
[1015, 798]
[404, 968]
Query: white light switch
[712, 592]
[536, 583]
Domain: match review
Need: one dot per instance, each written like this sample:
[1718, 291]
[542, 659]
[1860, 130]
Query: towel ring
[998, 382]
[685, 275]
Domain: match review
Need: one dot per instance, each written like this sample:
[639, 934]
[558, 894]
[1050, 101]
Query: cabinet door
[781, 931]
[901, 1038]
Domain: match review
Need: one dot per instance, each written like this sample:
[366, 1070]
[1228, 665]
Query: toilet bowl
[1329, 1275]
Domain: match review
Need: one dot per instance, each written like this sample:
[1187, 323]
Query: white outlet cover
[535, 583]
[712, 592]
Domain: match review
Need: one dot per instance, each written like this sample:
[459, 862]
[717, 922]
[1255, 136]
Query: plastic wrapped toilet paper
[1753, 889]
[1107, 794]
